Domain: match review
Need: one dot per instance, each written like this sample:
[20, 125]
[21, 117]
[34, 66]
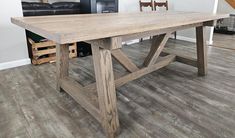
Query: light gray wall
[129, 5]
[12, 38]
[205, 6]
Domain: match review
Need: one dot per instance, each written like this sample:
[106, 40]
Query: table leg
[106, 90]
[62, 63]
[201, 51]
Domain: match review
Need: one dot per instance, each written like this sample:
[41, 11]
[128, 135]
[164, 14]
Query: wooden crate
[45, 52]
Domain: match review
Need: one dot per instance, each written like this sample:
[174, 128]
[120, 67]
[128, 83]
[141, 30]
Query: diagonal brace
[124, 60]
[158, 44]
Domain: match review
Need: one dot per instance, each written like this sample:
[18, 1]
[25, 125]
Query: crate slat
[45, 52]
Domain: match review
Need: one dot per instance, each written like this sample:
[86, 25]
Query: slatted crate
[45, 52]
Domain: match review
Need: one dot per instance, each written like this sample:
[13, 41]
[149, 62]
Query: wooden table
[106, 32]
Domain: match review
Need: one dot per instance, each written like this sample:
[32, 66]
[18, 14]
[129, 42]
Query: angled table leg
[62, 63]
[106, 90]
[201, 51]
[158, 43]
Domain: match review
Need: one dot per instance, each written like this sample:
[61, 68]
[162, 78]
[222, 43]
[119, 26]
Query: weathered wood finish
[72, 28]
[62, 63]
[169, 103]
[106, 90]
[158, 44]
[124, 60]
[210, 23]
[45, 52]
[108, 43]
[164, 61]
[82, 96]
[182, 58]
[201, 51]
[158, 32]
[107, 38]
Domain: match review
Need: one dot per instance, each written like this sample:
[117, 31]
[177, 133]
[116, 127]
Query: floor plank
[170, 103]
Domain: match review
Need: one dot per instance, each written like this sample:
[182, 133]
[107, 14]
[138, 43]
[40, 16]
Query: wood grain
[106, 90]
[190, 107]
[158, 43]
[105, 33]
[182, 58]
[62, 63]
[108, 43]
[72, 28]
[124, 60]
[164, 61]
[79, 94]
[201, 51]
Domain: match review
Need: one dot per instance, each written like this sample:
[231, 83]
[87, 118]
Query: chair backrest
[146, 4]
[160, 4]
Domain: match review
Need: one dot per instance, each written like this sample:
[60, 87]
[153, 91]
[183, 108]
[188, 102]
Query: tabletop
[83, 27]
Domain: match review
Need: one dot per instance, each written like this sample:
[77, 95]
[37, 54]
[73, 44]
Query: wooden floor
[170, 103]
[224, 41]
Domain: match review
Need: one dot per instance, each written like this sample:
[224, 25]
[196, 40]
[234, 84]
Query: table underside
[99, 98]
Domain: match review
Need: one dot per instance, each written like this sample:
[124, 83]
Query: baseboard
[183, 38]
[13, 64]
[132, 42]
[193, 40]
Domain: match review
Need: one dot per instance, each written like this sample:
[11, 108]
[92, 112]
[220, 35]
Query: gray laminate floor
[224, 41]
[170, 103]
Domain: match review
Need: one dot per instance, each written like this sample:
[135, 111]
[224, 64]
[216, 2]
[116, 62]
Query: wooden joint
[158, 44]
[163, 61]
[183, 59]
[124, 60]
[108, 43]
[85, 98]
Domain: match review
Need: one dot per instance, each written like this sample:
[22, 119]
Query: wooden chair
[160, 4]
[146, 4]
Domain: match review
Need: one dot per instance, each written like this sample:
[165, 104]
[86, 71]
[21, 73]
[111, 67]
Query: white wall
[129, 6]
[207, 6]
[12, 38]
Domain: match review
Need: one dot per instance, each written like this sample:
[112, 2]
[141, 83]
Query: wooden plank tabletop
[72, 28]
